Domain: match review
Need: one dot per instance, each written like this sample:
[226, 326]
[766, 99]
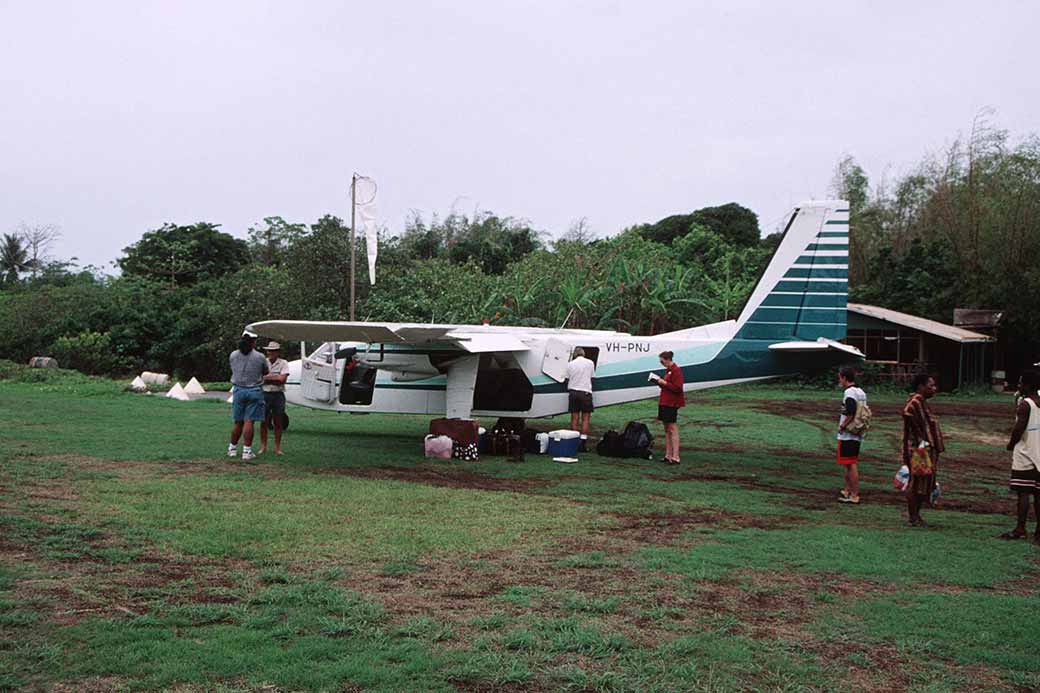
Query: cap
[273, 346]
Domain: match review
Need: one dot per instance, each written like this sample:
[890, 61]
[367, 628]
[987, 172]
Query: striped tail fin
[803, 293]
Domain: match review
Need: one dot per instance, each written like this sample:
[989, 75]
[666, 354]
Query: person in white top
[274, 397]
[1025, 454]
[580, 372]
[848, 442]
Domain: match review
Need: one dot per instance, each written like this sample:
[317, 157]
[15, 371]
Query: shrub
[90, 352]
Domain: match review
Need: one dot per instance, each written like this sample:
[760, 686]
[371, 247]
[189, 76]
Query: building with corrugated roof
[903, 344]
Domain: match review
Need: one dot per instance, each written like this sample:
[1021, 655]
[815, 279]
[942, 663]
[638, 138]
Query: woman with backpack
[852, 426]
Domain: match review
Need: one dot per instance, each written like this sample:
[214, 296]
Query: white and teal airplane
[792, 323]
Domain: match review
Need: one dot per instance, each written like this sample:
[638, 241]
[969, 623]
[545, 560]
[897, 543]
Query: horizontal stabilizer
[820, 345]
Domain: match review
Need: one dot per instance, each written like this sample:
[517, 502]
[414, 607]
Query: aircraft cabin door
[318, 374]
[554, 361]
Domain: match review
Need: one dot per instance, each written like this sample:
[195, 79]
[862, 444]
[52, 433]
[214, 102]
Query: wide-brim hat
[273, 346]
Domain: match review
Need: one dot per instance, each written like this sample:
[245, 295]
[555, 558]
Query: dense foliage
[961, 230]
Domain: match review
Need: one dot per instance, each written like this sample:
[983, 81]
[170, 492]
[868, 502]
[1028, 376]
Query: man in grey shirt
[248, 368]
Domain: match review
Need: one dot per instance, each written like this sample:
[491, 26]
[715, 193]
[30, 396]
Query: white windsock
[177, 392]
[364, 196]
[194, 387]
[138, 385]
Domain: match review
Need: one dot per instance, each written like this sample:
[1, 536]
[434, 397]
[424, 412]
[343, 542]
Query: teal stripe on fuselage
[823, 260]
[816, 273]
[799, 315]
[837, 222]
[833, 234]
[783, 332]
[802, 285]
[805, 301]
[826, 246]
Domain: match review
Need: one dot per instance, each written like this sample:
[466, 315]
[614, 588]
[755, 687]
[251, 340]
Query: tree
[850, 183]
[579, 232]
[269, 242]
[185, 254]
[38, 240]
[734, 223]
[14, 258]
[320, 263]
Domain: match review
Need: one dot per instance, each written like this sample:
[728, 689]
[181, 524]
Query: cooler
[564, 443]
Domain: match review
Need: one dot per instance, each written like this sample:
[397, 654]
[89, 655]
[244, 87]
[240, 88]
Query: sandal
[671, 461]
[1008, 536]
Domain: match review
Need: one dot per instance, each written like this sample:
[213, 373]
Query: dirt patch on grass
[451, 477]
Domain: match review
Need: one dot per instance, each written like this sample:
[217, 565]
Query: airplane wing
[475, 341]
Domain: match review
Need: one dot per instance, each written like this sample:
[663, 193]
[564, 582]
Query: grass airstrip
[134, 555]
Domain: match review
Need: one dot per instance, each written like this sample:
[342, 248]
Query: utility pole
[353, 244]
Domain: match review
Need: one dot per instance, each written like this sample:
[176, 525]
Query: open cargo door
[554, 362]
[318, 374]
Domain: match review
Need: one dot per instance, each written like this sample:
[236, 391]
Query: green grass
[131, 550]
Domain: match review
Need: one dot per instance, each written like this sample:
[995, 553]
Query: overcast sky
[117, 117]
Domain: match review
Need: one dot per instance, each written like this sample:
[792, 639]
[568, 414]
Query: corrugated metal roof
[956, 334]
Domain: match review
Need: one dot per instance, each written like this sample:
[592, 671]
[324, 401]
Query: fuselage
[527, 384]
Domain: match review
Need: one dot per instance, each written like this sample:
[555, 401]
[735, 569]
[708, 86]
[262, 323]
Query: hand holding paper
[653, 377]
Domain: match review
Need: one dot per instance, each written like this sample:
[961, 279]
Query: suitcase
[465, 431]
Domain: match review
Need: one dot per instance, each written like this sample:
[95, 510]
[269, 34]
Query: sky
[116, 117]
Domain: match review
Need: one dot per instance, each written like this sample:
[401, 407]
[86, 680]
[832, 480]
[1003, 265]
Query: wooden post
[353, 243]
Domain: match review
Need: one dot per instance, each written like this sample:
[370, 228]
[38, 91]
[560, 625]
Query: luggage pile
[635, 442]
[453, 439]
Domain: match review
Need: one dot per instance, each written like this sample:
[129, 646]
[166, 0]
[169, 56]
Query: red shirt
[672, 388]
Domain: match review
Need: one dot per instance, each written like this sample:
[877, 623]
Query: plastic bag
[902, 479]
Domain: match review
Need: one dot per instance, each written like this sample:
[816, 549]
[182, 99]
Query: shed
[904, 344]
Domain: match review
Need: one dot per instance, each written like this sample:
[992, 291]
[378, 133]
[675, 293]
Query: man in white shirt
[580, 372]
[274, 396]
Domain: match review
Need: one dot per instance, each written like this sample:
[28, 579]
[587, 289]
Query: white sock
[232, 446]
[247, 448]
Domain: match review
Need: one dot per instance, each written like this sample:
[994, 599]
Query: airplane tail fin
[803, 293]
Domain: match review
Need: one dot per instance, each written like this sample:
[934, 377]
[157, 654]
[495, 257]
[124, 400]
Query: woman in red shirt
[671, 399]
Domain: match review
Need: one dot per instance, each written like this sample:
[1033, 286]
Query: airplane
[790, 324]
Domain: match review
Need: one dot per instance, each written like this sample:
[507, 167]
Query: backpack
[610, 445]
[636, 440]
[860, 423]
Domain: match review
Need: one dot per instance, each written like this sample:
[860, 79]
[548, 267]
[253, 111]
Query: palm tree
[14, 258]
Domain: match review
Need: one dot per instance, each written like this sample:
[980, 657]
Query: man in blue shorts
[248, 368]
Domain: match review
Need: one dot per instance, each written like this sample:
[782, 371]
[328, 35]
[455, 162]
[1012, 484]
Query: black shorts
[667, 414]
[579, 402]
[1025, 479]
[275, 403]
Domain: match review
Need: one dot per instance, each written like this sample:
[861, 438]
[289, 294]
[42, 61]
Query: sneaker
[853, 500]
[247, 455]
[843, 493]
[232, 451]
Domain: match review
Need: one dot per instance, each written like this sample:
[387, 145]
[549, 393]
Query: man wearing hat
[248, 368]
[274, 396]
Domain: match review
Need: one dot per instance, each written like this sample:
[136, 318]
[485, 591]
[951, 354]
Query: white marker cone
[194, 387]
[138, 385]
[177, 392]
